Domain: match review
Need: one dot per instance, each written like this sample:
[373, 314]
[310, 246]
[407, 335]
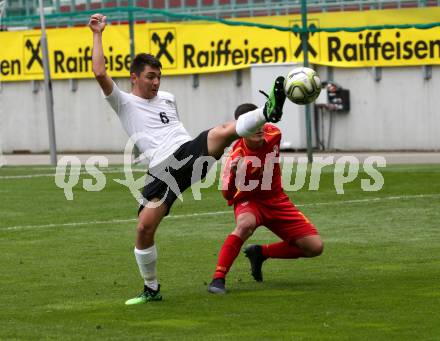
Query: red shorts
[279, 215]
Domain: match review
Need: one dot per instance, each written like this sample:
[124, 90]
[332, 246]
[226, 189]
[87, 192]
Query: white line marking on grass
[5, 177]
[93, 222]
[82, 172]
[355, 201]
[114, 221]
[201, 214]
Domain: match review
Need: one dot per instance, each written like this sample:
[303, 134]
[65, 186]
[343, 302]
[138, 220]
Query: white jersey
[156, 120]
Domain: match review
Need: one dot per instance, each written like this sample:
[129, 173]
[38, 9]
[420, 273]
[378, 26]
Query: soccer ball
[302, 85]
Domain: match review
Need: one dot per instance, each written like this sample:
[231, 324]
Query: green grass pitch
[68, 266]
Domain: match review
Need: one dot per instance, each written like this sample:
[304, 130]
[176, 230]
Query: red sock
[229, 251]
[282, 250]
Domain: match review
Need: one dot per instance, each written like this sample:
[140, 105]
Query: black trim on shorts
[157, 188]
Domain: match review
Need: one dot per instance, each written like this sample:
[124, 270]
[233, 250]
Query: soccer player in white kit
[166, 144]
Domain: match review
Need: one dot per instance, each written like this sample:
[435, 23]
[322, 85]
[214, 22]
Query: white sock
[248, 123]
[146, 260]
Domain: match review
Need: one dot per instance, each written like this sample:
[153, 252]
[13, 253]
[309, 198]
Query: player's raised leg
[273, 109]
[247, 124]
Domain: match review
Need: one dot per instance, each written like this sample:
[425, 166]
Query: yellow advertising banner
[200, 47]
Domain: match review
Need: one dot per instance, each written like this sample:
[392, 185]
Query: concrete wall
[85, 122]
[401, 111]
[82, 120]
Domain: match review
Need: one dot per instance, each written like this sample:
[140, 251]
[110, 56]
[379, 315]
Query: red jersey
[258, 173]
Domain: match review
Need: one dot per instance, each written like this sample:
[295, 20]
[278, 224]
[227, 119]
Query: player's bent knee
[145, 229]
[312, 246]
[244, 231]
[315, 249]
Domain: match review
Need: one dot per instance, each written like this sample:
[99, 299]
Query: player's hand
[97, 23]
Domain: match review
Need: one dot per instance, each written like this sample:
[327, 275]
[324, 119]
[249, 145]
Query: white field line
[121, 170]
[178, 216]
[82, 172]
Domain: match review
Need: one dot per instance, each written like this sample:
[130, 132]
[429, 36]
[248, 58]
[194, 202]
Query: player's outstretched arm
[97, 24]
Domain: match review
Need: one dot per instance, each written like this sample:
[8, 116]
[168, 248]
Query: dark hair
[141, 60]
[244, 108]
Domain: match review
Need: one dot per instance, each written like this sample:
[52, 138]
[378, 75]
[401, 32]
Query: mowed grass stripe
[377, 279]
[202, 214]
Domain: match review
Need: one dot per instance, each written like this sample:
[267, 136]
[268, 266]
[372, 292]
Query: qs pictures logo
[163, 45]
[32, 55]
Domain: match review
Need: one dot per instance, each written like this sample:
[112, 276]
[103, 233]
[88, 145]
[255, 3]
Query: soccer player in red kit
[252, 183]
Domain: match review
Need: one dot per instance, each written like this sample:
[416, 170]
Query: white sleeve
[175, 106]
[116, 99]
